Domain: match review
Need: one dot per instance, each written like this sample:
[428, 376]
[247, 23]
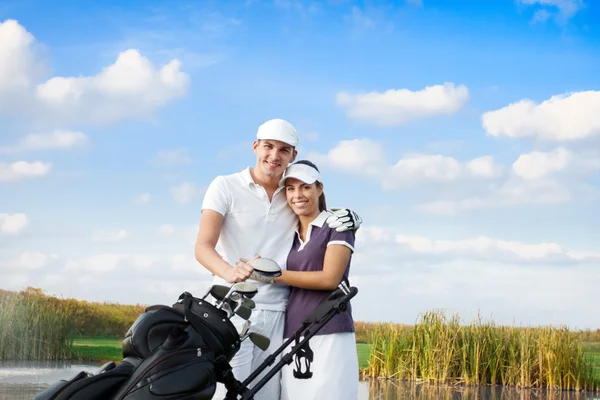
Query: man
[246, 214]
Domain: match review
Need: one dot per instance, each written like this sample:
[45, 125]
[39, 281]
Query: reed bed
[442, 350]
[36, 326]
[32, 328]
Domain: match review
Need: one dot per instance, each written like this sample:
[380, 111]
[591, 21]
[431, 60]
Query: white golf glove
[344, 219]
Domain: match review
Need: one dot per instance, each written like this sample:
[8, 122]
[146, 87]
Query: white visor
[302, 172]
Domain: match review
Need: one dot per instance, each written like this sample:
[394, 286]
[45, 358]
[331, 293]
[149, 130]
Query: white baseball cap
[278, 129]
[302, 172]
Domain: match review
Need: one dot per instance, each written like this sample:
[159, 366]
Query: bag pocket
[181, 374]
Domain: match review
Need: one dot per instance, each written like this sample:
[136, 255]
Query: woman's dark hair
[322, 202]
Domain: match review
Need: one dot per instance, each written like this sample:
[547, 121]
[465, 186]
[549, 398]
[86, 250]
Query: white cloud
[19, 67]
[173, 157]
[401, 106]
[55, 139]
[13, 224]
[566, 117]
[132, 87]
[536, 165]
[552, 177]
[474, 248]
[29, 261]
[58, 139]
[366, 157]
[512, 192]
[186, 192]
[110, 235]
[484, 167]
[141, 198]
[565, 9]
[23, 170]
[472, 276]
[358, 155]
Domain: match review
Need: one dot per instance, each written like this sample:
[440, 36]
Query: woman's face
[302, 197]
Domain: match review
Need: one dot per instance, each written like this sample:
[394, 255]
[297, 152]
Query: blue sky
[466, 134]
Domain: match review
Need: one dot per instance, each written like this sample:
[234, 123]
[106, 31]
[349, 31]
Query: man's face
[273, 157]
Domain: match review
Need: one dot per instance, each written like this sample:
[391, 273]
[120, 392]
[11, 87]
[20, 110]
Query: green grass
[363, 350]
[94, 342]
[97, 349]
[592, 354]
[109, 349]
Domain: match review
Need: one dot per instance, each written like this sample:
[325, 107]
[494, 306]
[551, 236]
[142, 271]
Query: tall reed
[32, 328]
[438, 349]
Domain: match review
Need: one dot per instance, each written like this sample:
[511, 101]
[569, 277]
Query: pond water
[24, 379]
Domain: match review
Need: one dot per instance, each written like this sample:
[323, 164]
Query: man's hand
[239, 273]
[344, 219]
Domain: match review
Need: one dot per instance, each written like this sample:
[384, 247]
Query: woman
[318, 261]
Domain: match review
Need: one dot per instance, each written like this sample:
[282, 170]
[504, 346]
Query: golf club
[245, 328]
[262, 342]
[243, 288]
[264, 267]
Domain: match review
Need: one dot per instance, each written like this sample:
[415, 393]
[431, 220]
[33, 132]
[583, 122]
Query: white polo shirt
[253, 225]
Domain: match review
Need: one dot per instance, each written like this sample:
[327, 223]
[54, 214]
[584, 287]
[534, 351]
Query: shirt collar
[248, 181]
[321, 218]
[318, 221]
[247, 177]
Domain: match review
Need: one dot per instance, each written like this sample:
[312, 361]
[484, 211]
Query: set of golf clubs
[237, 299]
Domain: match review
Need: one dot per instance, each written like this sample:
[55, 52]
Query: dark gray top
[309, 256]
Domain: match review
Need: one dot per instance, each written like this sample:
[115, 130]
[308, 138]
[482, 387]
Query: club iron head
[242, 312]
[262, 342]
[243, 288]
[245, 301]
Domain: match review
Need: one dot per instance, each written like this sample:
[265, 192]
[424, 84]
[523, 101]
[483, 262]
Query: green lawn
[97, 349]
[592, 352]
[363, 350]
[108, 349]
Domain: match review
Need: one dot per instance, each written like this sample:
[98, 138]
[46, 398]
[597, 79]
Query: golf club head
[243, 312]
[266, 267]
[262, 342]
[249, 303]
[244, 288]
[245, 301]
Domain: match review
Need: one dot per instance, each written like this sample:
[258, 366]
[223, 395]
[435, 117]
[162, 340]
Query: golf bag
[165, 356]
[181, 352]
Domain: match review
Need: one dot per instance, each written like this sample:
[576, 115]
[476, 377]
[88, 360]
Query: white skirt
[334, 368]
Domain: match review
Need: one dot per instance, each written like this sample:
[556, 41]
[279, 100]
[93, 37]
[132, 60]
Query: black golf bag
[181, 352]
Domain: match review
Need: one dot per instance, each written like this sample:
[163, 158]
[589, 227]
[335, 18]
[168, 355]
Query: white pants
[249, 357]
[334, 368]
